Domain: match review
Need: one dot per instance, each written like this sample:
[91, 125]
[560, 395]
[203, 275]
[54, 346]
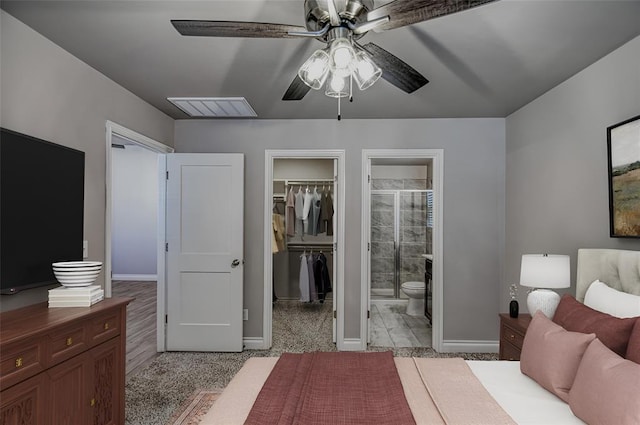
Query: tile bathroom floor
[392, 327]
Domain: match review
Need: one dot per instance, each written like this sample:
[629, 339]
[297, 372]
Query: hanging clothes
[291, 213]
[326, 212]
[314, 214]
[304, 279]
[277, 234]
[313, 291]
[321, 276]
[308, 198]
[299, 209]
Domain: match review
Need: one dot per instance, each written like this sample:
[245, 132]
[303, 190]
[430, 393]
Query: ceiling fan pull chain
[351, 88]
[339, 114]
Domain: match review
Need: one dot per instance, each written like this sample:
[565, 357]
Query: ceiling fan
[340, 24]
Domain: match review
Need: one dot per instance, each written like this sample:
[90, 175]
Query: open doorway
[310, 244]
[124, 147]
[401, 267]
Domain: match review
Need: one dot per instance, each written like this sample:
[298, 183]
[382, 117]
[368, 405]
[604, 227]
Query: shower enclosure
[401, 234]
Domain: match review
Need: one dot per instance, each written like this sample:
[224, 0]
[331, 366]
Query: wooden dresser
[512, 332]
[63, 365]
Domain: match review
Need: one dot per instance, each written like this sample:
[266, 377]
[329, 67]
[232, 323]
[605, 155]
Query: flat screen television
[41, 209]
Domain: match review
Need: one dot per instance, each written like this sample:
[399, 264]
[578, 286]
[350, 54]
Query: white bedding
[520, 396]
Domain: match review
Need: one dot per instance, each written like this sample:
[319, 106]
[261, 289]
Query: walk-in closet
[303, 241]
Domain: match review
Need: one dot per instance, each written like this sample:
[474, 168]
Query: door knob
[235, 263]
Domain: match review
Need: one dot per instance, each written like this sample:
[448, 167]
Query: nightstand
[512, 332]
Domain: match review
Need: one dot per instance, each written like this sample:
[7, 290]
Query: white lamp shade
[545, 271]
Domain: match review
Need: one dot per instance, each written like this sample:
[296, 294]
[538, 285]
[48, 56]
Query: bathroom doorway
[400, 216]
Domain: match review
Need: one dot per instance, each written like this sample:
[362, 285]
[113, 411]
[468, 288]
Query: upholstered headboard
[619, 269]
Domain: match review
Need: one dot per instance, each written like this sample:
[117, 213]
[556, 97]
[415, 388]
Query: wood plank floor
[141, 321]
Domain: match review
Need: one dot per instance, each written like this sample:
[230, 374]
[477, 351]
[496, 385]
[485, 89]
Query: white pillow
[603, 298]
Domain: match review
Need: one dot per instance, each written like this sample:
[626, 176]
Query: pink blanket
[332, 388]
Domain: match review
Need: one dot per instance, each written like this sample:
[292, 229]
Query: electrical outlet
[85, 249]
[245, 314]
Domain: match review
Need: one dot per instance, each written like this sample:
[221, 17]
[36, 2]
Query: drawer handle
[512, 336]
[69, 341]
[92, 402]
[106, 326]
[18, 362]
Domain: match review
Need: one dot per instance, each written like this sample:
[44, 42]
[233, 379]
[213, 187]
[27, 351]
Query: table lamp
[544, 272]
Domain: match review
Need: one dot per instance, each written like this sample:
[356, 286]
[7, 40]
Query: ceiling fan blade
[297, 90]
[407, 12]
[394, 70]
[235, 29]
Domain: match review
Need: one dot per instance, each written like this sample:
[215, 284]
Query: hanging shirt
[326, 212]
[304, 279]
[313, 292]
[308, 198]
[321, 276]
[277, 239]
[291, 213]
[314, 215]
[299, 209]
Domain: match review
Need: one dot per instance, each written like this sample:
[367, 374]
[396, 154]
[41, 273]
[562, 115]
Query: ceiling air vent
[214, 107]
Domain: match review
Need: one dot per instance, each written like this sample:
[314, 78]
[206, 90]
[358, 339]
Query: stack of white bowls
[77, 274]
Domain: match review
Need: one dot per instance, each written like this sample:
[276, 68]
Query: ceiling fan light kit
[343, 59]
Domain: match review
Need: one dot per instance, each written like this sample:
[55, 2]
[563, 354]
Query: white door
[335, 252]
[204, 253]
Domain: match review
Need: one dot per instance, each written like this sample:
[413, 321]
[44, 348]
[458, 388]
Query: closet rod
[325, 249]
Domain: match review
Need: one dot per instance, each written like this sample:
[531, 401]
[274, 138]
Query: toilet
[415, 291]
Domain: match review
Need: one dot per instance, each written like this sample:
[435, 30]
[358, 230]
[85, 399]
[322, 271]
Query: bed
[490, 392]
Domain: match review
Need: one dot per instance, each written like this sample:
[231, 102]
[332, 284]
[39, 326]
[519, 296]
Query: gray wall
[50, 94]
[474, 152]
[556, 185]
[134, 206]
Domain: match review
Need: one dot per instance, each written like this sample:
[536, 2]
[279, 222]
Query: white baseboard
[141, 277]
[470, 346]
[254, 343]
[352, 344]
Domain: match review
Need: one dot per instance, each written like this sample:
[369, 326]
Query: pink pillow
[551, 354]
[606, 389]
[611, 331]
[633, 349]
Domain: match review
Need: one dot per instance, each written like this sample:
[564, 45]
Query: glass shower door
[384, 242]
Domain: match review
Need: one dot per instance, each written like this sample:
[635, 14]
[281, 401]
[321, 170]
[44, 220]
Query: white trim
[338, 287]
[112, 128]
[352, 344]
[140, 277]
[253, 343]
[469, 346]
[437, 155]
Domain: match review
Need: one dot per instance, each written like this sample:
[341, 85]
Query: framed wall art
[623, 151]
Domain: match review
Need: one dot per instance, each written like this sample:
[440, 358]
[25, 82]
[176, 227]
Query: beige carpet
[196, 406]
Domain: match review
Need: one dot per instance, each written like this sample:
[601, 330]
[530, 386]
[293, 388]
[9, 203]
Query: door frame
[338, 286]
[437, 156]
[161, 149]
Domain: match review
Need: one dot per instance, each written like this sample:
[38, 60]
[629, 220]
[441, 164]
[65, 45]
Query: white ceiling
[484, 62]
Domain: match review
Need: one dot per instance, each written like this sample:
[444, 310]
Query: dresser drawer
[512, 336]
[20, 360]
[66, 342]
[104, 327]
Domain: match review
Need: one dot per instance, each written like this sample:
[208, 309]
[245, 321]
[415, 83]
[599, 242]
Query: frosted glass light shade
[337, 86]
[545, 271]
[365, 71]
[315, 70]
